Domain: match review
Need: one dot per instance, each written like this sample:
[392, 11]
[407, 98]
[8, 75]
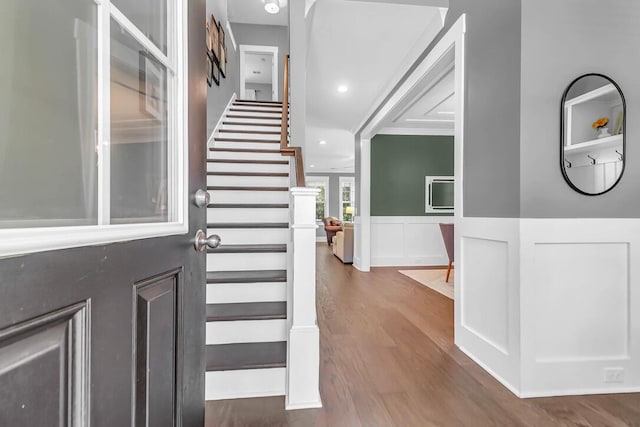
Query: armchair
[331, 226]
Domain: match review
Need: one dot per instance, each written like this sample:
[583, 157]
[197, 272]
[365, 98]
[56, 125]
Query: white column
[362, 229]
[303, 358]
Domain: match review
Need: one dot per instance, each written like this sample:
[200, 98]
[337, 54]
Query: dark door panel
[43, 370]
[154, 328]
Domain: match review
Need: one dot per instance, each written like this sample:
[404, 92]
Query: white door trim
[273, 50]
[453, 39]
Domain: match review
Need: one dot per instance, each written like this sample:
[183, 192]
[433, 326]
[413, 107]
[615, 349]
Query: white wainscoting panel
[357, 245]
[591, 281]
[487, 298]
[579, 289]
[408, 241]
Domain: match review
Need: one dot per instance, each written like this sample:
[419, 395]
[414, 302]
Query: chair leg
[448, 272]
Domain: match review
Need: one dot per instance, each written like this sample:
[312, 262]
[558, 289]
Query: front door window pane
[139, 132]
[48, 80]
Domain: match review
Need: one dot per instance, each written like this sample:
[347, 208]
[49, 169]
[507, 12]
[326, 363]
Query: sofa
[331, 226]
[343, 244]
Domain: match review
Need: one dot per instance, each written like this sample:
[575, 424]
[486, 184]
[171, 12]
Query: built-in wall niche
[593, 135]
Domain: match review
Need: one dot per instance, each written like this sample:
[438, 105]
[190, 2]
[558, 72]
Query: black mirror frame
[562, 134]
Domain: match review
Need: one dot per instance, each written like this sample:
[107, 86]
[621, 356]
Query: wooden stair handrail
[285, 150]
[284, 143]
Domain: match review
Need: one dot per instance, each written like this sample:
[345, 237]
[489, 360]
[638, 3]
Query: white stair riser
[249, 236]
[234, 155]
[246, 262]
[248, 181]
[257, 107]
[249, 145]
[247, 215]
[261, 114]
[240, 136]
[241, 128]
[259, 120]
[245, 383]
[227, 293]
[227, 196]
[247, 167]
[270, 108]
[240, 331]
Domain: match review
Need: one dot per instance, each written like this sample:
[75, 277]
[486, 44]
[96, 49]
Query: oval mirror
[593, 134]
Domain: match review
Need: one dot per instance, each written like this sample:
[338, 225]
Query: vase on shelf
[603, 132]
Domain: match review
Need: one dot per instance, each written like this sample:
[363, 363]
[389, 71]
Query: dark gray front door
[107, 335]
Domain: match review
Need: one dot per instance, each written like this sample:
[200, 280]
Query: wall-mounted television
[439, 194]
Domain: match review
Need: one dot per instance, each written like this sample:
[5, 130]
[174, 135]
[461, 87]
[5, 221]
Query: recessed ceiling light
[322, 142]
[446, 112]
[272, 6]
[312, 166]
[342, 88]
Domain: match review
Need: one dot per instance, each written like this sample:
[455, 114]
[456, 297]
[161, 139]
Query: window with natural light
[347, 198]
[322, 199]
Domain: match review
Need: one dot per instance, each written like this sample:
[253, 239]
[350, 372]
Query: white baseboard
[310, 405]
[432, 261]
[498, 377]
[579, 392]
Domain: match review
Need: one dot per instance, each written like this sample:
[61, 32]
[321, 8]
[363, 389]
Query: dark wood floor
[388, 359]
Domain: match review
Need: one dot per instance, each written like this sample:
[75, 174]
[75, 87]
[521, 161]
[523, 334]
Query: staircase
[248, 180]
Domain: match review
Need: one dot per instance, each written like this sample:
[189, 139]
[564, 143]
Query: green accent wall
[399, 164]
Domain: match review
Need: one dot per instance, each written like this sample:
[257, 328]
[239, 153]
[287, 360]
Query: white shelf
[614, 141]
[608, 92]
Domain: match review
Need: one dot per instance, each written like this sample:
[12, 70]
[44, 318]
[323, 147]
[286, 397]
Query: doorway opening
[429, 102]
[259, 73]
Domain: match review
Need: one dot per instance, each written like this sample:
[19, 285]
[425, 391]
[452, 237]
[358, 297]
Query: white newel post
[303, 358]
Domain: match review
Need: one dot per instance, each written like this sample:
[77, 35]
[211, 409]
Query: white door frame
[273, 50]
[453, 39]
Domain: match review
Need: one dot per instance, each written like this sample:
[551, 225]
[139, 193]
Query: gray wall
[263, 91]
[298, 72]
[218, 96]
[334, 195]
[492, 106]
[580, 36]
[265, 35]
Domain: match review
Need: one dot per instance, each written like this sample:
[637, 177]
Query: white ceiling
[364, 45]
[430, 104]
[252, 12]
[258, 67]
[336, 155]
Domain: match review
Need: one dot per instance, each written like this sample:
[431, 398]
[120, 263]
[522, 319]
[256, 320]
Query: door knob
[201, 241]
[201, 198]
